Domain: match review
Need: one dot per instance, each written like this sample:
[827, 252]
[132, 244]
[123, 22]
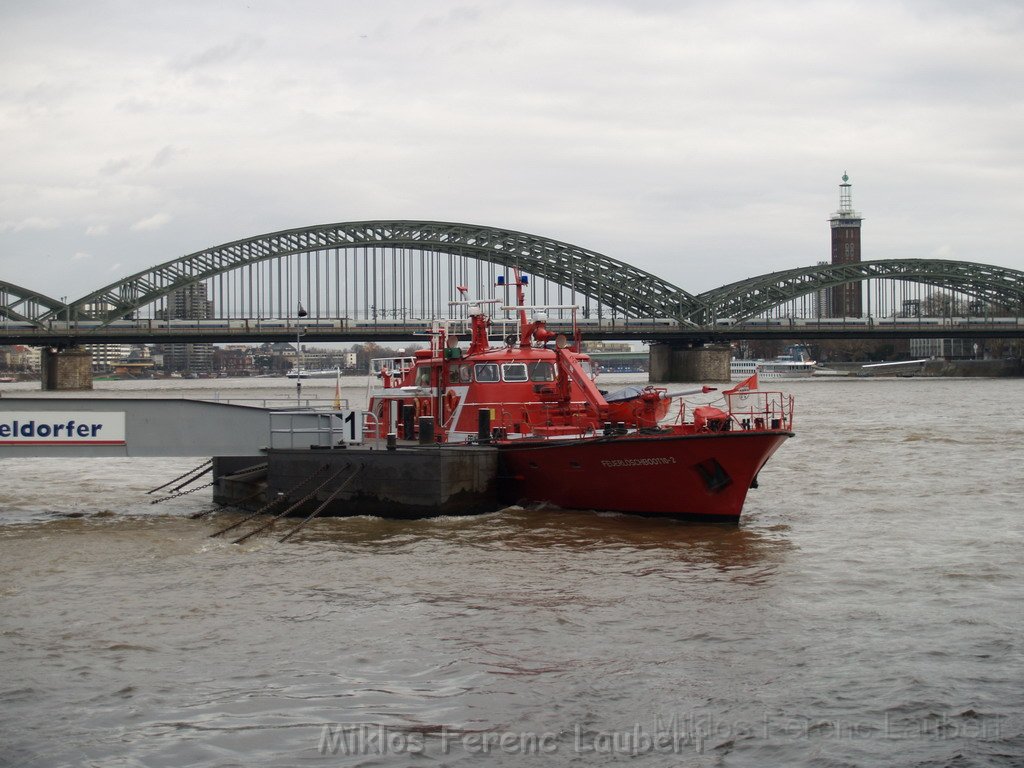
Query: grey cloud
[676, 135]
[135, 105]
[115, 166]
[240, 48]
[164, 156]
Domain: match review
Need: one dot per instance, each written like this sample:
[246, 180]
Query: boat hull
[697, 476]
[324, 374]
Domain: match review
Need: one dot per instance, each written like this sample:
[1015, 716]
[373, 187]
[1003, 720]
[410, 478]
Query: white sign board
[61, 428]
[347, 426]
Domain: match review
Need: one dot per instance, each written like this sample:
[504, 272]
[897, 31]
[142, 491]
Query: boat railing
[371, 425]
[395, 364]
[312, 403]
[756, 410]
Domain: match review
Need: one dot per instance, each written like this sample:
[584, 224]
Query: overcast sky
[703, 141]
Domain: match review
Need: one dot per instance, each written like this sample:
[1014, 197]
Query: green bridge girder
[615, 283]
[756, 295]
[628, 289]
[26, 305]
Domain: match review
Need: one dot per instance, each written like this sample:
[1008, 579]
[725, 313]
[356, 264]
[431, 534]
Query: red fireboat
[563, 441]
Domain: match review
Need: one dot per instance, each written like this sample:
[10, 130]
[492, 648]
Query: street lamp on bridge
[298, 355]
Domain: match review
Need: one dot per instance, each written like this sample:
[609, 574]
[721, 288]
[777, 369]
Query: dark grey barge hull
[411, 481]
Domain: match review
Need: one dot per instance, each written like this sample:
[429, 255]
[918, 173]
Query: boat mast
[479, 322]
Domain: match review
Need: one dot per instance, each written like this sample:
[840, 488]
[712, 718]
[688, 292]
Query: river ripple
[867, 612]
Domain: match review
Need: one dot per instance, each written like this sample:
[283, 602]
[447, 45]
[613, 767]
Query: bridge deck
[235, 331]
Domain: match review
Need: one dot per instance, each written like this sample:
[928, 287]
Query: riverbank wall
[973, 368]
[992, 369]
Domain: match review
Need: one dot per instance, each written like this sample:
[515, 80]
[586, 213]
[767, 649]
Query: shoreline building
[104, 356]
[845, 300]
[189, 303]
[822, 305]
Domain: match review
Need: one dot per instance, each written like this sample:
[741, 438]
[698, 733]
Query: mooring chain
[317, 490]
[192, 479]
[211, 510]
[272, 503]
[293, 507]
[179, 477]
[182, 493]
[284, 496]
[246, 471]
[323, 506]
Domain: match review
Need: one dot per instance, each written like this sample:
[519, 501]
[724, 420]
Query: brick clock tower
[845, 300]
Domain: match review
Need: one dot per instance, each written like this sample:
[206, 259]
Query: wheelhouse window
[460, 374]
[587, 368]
[514, 372]
[542, 371]
[423, 376]
[486, 372]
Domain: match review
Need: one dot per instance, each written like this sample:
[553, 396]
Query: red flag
[747, 385]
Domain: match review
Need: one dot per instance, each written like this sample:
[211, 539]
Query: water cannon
[702, 391]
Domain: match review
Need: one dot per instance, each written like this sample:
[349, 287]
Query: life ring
[452, 399]
[423, 407]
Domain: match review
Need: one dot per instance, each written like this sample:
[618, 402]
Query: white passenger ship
[772, 370]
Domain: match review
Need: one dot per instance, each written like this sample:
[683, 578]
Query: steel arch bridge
[611, 283]
[756, 295]
[26, 305]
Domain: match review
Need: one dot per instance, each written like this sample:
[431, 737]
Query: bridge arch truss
[26, 305]
[996, 289]
[381, 269]
[408, 270]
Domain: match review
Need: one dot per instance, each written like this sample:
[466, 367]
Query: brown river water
[867, 611]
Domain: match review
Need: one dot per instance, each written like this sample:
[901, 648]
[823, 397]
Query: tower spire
[846, 200]
[845, 300]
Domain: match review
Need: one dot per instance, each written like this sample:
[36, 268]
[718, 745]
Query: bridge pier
[674, 361]
[65, 369]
